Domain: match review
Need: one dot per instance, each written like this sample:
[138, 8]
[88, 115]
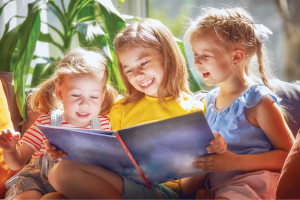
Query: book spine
[132, 160]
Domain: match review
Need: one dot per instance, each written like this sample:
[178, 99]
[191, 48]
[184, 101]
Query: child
[154, 72]
[79, 86]
[244, 112]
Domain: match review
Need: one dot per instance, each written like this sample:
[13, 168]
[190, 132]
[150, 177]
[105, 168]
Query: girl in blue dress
[242, 109]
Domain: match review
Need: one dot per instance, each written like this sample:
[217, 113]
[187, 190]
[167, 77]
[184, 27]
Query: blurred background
[282, 17]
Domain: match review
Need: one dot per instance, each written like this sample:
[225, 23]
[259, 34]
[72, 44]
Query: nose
[84, 102]
[139, 73]
[198, 61]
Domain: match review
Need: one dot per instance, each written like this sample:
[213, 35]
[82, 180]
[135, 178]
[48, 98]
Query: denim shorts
[33, 176]
[133, 190]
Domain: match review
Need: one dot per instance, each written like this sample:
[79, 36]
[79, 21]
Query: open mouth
[147, 84]
[82, 114]
[205, 75]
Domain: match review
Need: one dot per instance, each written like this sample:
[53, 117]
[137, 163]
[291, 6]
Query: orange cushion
[289, 182]
[5, 122]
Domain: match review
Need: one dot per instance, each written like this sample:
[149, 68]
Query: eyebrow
[139, 58]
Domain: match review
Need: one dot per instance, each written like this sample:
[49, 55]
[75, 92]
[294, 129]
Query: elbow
[16, 167]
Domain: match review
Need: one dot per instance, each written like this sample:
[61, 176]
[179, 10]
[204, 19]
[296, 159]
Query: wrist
[239, 162]
[10, 151]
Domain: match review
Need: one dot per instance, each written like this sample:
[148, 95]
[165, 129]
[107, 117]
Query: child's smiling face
[212, 60]
[82, 97]
[143, 68]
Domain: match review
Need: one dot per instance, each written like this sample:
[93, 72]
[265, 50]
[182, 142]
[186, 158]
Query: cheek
[130, 79]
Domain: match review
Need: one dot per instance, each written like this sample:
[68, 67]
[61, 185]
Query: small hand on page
[217, 145]
[53, 153]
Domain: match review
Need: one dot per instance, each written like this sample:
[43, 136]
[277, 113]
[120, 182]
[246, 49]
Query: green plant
[95, 22]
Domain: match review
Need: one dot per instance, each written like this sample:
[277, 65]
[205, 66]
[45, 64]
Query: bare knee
[53, 195]
[60, 173]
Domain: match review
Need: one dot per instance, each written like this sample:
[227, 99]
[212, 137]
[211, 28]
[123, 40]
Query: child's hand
[9, 139]
[225, 162]
[51, 150]
[217, 145]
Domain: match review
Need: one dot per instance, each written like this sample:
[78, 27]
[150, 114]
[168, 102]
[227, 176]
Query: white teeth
[83, 113]
[147, 83]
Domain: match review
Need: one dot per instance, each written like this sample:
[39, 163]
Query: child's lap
[133, 190]
[250, 185]
[29, 178]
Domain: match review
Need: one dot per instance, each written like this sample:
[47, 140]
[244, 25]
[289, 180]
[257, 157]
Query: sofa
[289, 92]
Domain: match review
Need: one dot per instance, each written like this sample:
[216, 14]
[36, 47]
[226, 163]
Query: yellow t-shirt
[149, 109]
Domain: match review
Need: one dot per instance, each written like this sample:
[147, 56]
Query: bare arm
[14, 157]
[266, 115]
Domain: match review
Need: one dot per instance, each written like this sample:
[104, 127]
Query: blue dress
[241, 136]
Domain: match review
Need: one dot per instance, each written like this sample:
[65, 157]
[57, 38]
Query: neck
[234, 86]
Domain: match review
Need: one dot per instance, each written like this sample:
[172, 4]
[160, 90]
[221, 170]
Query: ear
[58, 91]
[238, 56]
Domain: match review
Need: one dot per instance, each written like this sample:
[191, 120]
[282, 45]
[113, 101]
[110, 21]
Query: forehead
[130, 54]
[204, 42]
[81, 82]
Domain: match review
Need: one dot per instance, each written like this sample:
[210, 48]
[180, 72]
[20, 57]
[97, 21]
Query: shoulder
[117, 107]
[43, 119]
[259, 95]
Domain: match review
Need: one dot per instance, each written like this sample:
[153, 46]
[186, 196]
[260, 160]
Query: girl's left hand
[225, 162]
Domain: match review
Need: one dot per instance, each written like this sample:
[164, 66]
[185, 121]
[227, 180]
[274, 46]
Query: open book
[149, 153]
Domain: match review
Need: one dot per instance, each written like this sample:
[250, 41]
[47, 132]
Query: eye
[94, 97]
[195, 54]
[204, 55]
[76, 95]
[144, 63]
[129, 71]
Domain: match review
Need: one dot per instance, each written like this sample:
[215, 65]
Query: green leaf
[72, 6]
[91, 35]
[2, 7]
[7, 24]
[8, 44]
[41, 72]
[45, 37]
[83, 4]
[113, 20]
[28, 34]
[115, 75]
[194, 82]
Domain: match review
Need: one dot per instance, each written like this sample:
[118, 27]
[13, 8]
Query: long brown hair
[235, 27]
[77, 62]
[150, 33]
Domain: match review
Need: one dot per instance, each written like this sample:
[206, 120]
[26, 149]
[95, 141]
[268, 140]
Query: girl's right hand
[51, 150]
[9, 139]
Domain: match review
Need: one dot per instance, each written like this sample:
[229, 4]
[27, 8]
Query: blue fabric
[241, 136]
[133, 190]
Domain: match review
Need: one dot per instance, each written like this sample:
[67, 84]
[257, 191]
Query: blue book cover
[149, 153]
